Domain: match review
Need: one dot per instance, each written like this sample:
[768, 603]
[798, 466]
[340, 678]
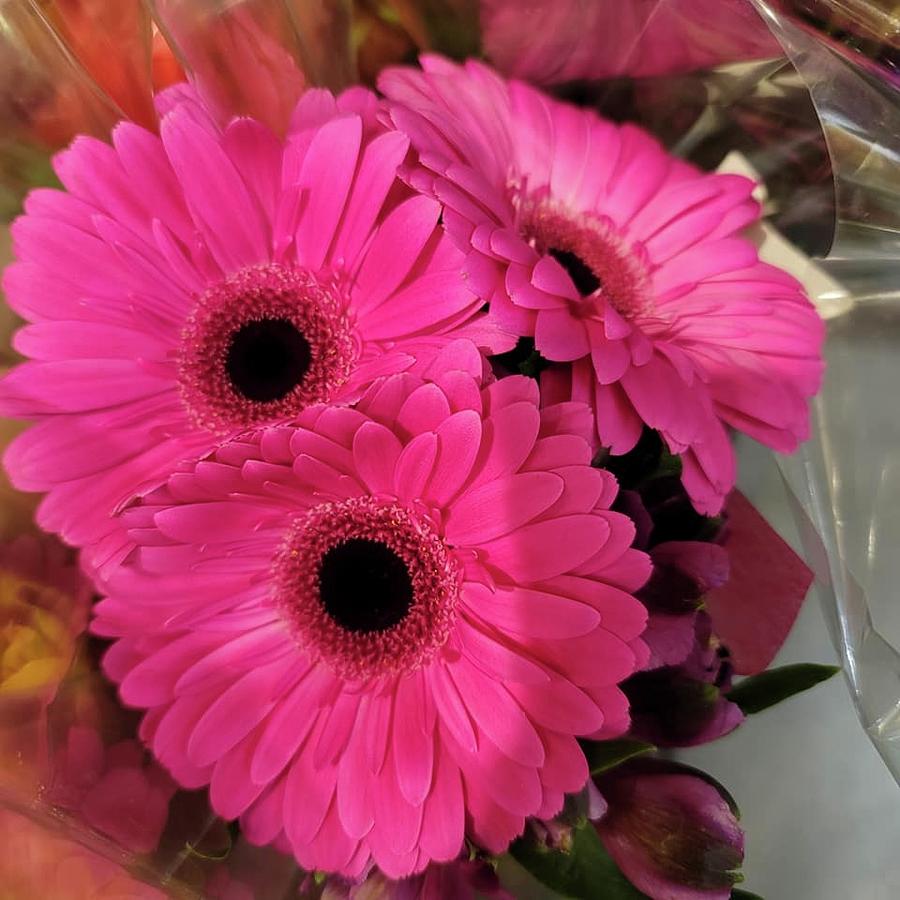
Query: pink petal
[559, 706]
[492, 827]
[501, 506]
[375, 177]
[509, 435]
[152, 682]
[451, 708]
[397, 822]
[326, 175]
[263, 821]
[375, 453]
[234, 714]
[230, 791]
[412, 741]
[410, 225]
[256, 154]
[308, 795]
[214, 522]
[443, 819]
[219, 201]
[87, 340]
[559, 336]
[496, 659]
[498, 715]
[530, 612]
[459, 439]
[74, 385]
[423, 410]
[415, 464]
[423, 306]
[249, 647]
[354, 787]
[584, 489]
[566, 768]
[545, 549]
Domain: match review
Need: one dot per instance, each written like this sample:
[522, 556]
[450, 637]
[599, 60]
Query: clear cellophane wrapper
[803, 95]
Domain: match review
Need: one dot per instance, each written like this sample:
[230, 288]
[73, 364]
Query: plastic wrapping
[846, 480]
[257, 57]
[767, 88]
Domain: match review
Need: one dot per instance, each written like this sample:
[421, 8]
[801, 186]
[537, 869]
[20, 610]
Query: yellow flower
[35, 646]
[43, 608]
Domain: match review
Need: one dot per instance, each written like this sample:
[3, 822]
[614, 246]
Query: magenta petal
[354, 789]
[287, 726]
[412, 741]
[409, 225]
[443, 819]
[498, 715]
[559, 336]
[231, 792]
[374, 178]
[325, 177]
[559, 706]
[218, 199]
[501, 506]
[153, 681]
[375, 453]
[308, 796]
[548, 548]
[531, 612]
[234, 714]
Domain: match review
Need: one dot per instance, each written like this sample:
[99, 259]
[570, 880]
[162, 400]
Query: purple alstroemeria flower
[671, 831]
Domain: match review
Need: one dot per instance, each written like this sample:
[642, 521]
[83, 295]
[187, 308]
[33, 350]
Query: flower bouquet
[387, 397]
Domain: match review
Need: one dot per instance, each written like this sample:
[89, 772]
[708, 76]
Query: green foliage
[583, 870]
[605, 755]
[759, 692]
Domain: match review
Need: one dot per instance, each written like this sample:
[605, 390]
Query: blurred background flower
[581, 39]
[43, 610]
[115, 789]
[38, 862]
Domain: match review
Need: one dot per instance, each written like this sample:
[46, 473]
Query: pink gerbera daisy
[620, 260]
[190, 285]
[380, 629]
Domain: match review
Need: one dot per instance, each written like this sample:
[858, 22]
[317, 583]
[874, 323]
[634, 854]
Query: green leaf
[582, 871]
[738, 894]
[605, 755]
[759, 692]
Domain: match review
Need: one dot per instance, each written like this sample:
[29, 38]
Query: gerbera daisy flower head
[381, 628]
[623, 263]
[187, 286]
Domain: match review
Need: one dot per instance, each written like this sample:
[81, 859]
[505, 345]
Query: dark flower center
[262, 345]
[365, 586]
[602, 263]
[267, 359]
[583, 276]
